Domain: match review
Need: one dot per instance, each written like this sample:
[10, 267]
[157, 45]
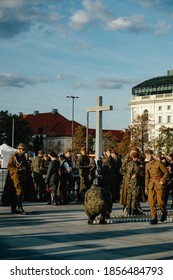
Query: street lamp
[72, 130]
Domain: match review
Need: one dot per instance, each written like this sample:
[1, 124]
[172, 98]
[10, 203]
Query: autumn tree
[139, 131]
[123, 146]
[164, 143]
[80, 139]
[109, 140]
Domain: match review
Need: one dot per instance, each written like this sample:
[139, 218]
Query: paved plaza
[62, 233]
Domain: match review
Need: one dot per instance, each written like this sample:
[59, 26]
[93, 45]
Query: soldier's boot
[102, 220]
[91, 220]
[128, 211]
[164, 216]
[13, 206]
[135, 212]
[53, 198]
[154, 220]
[19, 205]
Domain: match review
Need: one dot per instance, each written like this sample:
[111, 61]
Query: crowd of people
[129, 181]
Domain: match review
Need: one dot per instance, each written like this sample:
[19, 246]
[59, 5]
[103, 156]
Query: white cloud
[17, 16]
[133, 23]
[108, 83]
[91, 12]
[79, 19]
[162, 28]
[61, 77]
[16, 80]
[111, 83]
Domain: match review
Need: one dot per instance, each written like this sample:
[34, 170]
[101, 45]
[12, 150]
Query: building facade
[55, 131]
[154, 97]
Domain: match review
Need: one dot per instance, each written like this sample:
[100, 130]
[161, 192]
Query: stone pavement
[62, 233]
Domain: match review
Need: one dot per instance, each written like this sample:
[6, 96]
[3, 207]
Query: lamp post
[72, 129]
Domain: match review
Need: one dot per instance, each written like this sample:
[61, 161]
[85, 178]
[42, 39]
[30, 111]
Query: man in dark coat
[52, 177]
[83, 163]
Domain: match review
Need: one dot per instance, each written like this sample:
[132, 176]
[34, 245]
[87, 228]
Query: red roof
[51, 124]
[119, 134]
[55, 125]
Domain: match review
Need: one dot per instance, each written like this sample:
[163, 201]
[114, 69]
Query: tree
[109, 140]
[139, 131]
[80, 139]
[38, 141]
[164, 143]
[123, 146]
[22, 131]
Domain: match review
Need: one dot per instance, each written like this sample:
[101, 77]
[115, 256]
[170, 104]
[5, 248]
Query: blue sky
[87, 48]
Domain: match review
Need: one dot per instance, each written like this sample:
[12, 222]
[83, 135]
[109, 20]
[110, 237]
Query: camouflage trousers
[132, 196]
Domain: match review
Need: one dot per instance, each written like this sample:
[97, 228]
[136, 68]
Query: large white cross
[99, 109]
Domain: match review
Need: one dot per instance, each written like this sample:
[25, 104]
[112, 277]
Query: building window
[168, 119]
[160, 119]
[145, 114]
[146, 137]
[169, 107]
[160, 108]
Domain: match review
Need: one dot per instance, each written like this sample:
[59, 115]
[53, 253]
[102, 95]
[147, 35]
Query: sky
[50, 49]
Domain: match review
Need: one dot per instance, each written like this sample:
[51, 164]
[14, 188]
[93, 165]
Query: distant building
[155, 98]
[56, 130]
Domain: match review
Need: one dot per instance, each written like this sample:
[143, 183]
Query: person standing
[83, 163]
[156, 175]
[52, 177]
[65, 170]
[169, 184]
[131, 173]
[38, 169]
[18, 168]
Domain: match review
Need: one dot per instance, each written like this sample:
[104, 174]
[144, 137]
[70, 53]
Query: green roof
[157, 85]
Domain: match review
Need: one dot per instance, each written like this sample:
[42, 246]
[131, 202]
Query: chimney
[54, 111]
[36, 113]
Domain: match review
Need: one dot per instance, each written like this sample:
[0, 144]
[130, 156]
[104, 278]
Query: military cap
[53, 154]
[61, 155]
[40, 152]
[67, 151]
[21, 146]
[148, 152]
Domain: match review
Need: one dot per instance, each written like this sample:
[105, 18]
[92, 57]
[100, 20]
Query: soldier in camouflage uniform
[131, 172]
[108, 172]
[38, 170]
[83, 163]
[97, 201]
[156, 175]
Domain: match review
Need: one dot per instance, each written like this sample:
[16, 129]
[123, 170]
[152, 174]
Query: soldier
[97, 201]
[38, 170]
[52, 177]
[156, 175]
[83, 163]
[131, 172]
[117, 177]
[18, 168]
[107, 173]
[65, 170]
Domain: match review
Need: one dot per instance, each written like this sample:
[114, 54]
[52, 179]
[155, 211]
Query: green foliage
[109, 140]
[139, 131]
[22, 131]
[164, 142]
[80, 139]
